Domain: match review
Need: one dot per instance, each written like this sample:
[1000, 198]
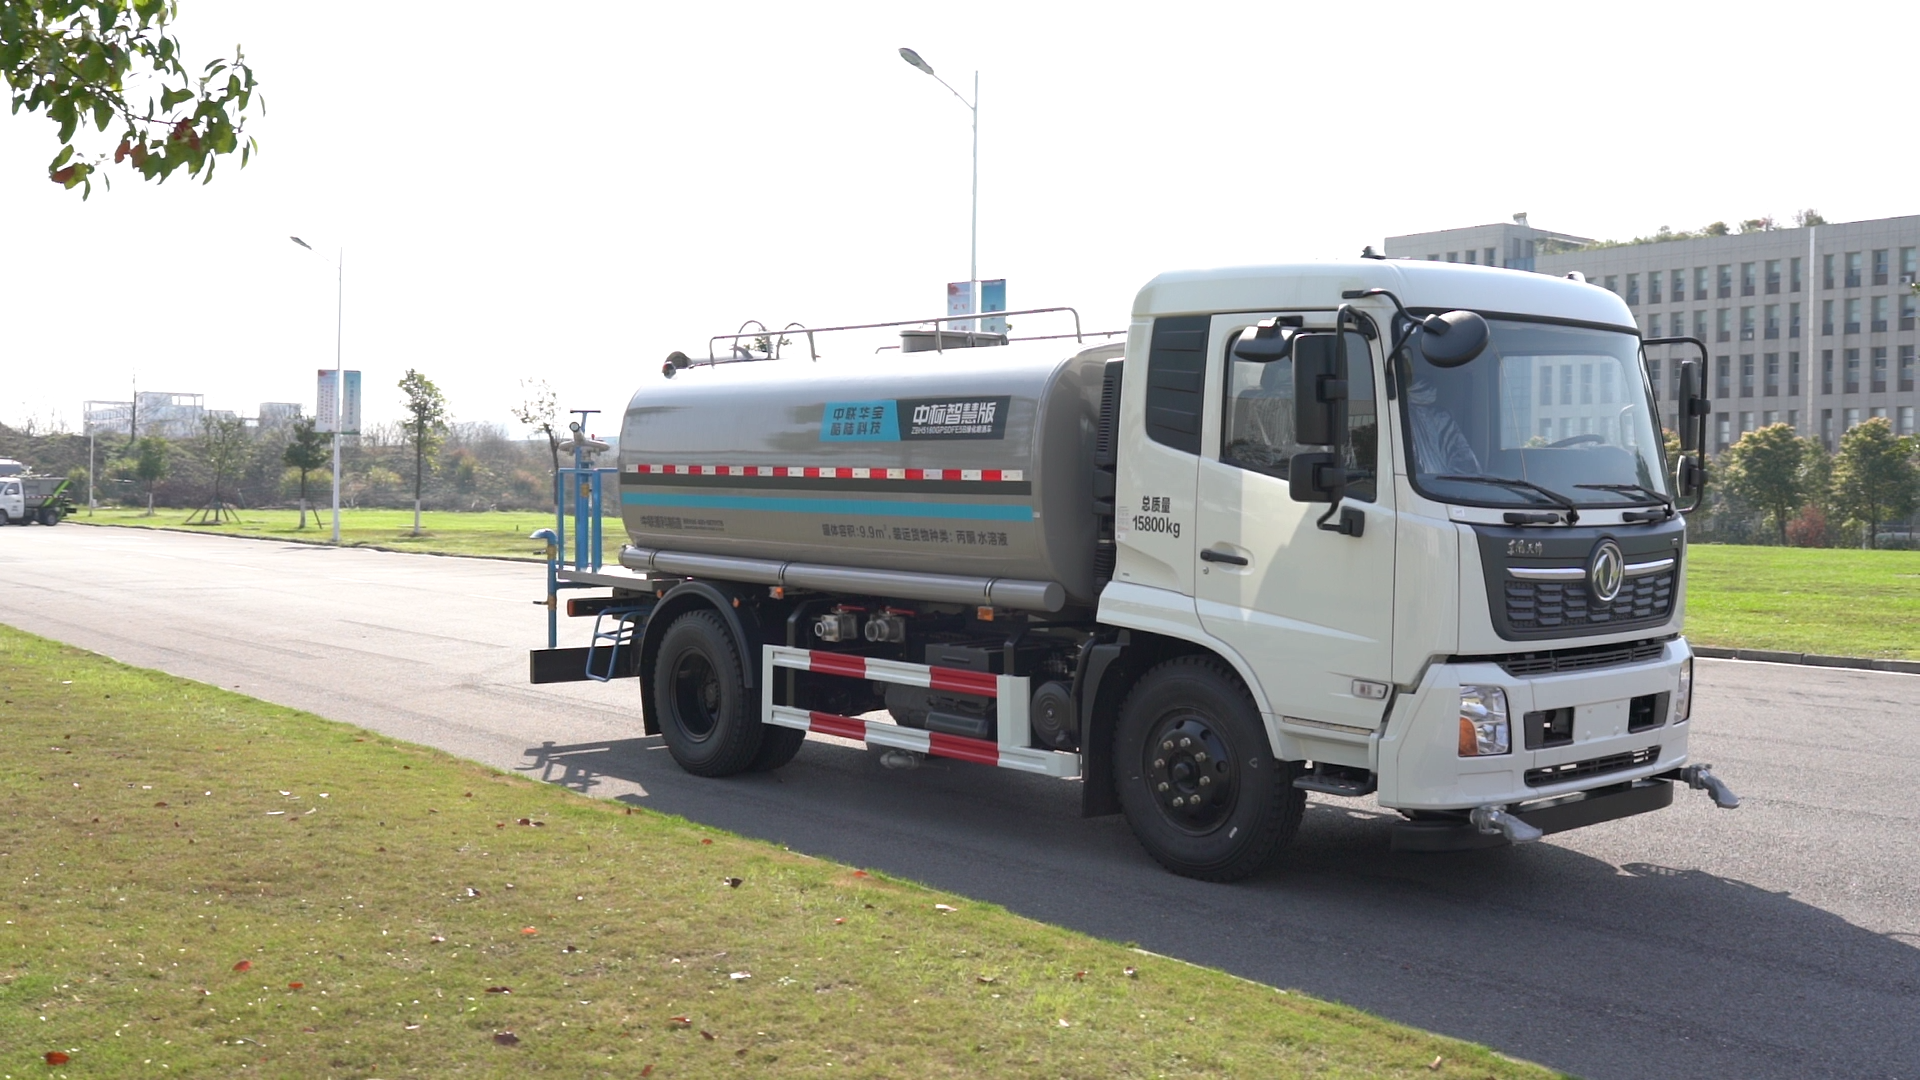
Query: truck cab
[1485, 612]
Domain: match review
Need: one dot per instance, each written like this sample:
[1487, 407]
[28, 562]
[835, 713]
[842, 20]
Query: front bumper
[1419, 764]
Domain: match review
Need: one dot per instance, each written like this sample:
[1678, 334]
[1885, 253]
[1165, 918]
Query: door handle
[1210, 555]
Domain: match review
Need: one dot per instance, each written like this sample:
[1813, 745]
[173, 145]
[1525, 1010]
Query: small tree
[150, 464]
[308, 450]
[426, 427]
[1808, 217]
[223, 449]
[1764, 469]
[1873, 475]
[538, 411]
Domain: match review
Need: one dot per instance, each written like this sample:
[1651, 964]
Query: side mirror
[1265, 343]
[1694, 407]
[1316, 478]
[1319, 389]
[1692, 477]
[1453, 339]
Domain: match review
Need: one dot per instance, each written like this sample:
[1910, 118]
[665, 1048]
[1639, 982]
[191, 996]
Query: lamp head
[913, 58]
[301, 242]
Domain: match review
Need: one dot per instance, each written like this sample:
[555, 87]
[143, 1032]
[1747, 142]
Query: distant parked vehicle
[26, 498]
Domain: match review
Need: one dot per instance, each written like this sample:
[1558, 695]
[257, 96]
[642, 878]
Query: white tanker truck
[1386, 529]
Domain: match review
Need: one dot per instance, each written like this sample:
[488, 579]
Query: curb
[1768, 656]
[308, 543]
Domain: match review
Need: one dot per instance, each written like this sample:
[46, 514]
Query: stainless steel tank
[972, 464]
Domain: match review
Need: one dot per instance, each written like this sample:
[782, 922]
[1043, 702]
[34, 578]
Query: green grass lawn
[443, 532]
[200, 884]
[1814, 600]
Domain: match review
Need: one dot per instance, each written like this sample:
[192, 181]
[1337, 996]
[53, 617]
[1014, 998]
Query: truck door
[1310, 610]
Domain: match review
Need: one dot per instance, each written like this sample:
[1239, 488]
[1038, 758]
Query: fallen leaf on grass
[435, 939]
[706, 841]
[1435, 1064]
[732, 882]
[1062, 1022]
[159, 804]
[311, 1030]
[413, 1027]
[506, 1038]
[859, 873]
[988, 979]
[472, 892]
[945, 907]
[708, 1035]
[840, 920]
[244, 965]
[498, 990]
[275, 813]
[571, 948]
[296, 986]
[1079, 975]
[648, 1071]
[736, 976]
[55, 1057]
[1131, 973]
[680, 1021]
[528, 930]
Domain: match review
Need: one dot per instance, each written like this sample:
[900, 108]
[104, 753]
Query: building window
[1699, 283]
[1908, 302]
[1770, 417]
[1826, 271]
[1492, 254]
[1773, 374]
[1606, 384]
[1746, 422]
[1854, 264]
[1746, 279]
[1906, 367]
[1772, 327]
[1678, 281]
[1826, 318]
[1724, 277]
[1793, 420]
[1723, 376]
[1472, 255]
[1612, 284]
[1453, 256]
[1826, 428]
[1773, 277]
[1878, 412]
[1879, 310]
[1674, 392]
[1879, 369]
[1906, 420]
[1880, 267]
[1746, 376]
[1586, 384]
[1721, 422]
[1633, 288]
[1653, 377]
[1700, 325]
[1653, 286]
[1434, 257]
[1546, 387]
[1723, 324]
[1793, 272]
[1746, 323]
[1566, 384]
[1653, 324]
[1852, 420]
[1793, 320]
[1826, 371]
[1909, 265]
[1853, 315]
[1793, 374]
[1853, 372]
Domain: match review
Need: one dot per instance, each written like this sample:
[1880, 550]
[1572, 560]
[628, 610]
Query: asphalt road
[1779, 940]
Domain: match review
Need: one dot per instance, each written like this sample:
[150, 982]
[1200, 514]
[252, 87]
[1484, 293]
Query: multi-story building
[1812, 327]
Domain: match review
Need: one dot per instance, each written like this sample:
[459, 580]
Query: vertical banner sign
[333, 411]
[326, 403]
[959, 302]
[993, 297]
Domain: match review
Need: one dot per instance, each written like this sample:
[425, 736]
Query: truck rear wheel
[49, 517]
[710, 719]
[1196, 776]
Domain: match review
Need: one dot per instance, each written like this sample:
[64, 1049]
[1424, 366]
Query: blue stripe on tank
[859, 507]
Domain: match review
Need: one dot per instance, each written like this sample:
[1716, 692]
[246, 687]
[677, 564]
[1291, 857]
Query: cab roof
[1418, 284]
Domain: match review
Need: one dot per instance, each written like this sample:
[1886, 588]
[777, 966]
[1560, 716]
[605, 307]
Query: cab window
[1257, 424]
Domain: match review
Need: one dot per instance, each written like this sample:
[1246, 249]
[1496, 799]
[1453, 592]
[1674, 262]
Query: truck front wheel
[708, 716]
[1196, 777]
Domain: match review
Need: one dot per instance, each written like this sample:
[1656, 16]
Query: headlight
[1683, 695]
[1484, 731]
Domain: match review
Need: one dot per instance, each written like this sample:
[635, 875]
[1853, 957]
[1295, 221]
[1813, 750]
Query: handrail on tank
[1042, 337]
[810, 331]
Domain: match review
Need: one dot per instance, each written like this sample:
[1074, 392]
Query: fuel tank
[974, 462]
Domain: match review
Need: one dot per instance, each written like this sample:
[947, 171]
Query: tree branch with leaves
[84, 62]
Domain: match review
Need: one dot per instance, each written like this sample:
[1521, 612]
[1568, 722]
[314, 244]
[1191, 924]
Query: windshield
[1561, 411]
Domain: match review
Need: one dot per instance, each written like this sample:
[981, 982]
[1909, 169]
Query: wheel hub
[1190, 772]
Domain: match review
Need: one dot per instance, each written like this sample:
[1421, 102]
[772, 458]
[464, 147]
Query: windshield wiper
[1659, 498]
[1552, 496]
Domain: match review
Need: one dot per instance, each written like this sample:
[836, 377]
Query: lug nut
[1200, 756]
[1205, 780]
[1162, 787]
[1185, 742]
[1159, 763]
[1178, 801]
[1167, 745]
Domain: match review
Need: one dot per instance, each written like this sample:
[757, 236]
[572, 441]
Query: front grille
[1575, 770]
[1521, 665]
[1563, 606]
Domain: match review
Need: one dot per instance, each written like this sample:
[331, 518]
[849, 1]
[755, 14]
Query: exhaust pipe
[1495, 821]
[1701, 778]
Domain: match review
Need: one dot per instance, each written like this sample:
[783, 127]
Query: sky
[570, 192]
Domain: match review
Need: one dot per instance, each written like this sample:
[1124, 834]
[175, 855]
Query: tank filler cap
[676, 360]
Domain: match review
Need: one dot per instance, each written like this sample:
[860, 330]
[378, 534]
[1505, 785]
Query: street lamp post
[339, 383]
[973, 246]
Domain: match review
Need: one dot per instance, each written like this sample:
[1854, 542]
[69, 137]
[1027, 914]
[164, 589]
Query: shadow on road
[1633, 970]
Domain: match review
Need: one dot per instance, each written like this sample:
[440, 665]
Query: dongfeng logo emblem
[1605, 571]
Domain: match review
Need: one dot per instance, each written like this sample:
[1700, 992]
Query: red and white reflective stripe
[817, 472]
[934, 743]
[1010, 693]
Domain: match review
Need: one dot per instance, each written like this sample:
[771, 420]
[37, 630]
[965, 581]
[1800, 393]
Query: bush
[1808, 528]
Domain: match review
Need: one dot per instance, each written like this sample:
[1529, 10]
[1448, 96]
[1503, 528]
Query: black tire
[710, 719]
[778, 745]
[4, 519]
[49, 517]
[1191, 726]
